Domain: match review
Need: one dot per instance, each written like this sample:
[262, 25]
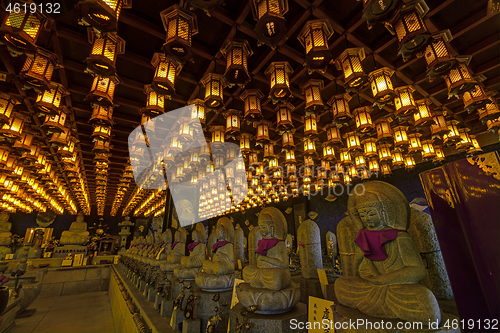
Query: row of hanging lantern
[123, 186]
[134, 199]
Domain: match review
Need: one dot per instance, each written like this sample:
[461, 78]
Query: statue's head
[272, 223]
[180, 235]
[196, 236]
[225, 230]
[371, 210]
[80, 218]
[266, 226]
[221, 232]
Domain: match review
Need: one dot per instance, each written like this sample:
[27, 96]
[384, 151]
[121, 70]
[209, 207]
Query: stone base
[205, 307]
[216, 283]
[177, 318]
[343, 314]
[191, 325]
[269, 323]
[9, 314]
[158, 300]
[308, 287]
[188, 274]
[268, 302]
[166, 308]
[142, 286]
[146, 290]
[152, 295]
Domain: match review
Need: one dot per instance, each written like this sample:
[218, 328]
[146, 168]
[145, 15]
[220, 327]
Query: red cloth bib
[266, 244]
[219, 244]
[372, 242]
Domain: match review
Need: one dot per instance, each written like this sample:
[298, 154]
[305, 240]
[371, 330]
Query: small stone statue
[178, 251]
[253, 240]
[191, 265]
[212, 239]
[387, 263]
[166, 237]
[309, 244]
[77, 233]
[5, 234]
[239, 246]
[331, 245]
[269, 283]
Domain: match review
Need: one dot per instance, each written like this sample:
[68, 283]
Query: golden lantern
[32, 154]
[37, 70]
[415, 144]
[397, 158]
[333, 134]
[352, 141]
[155, 103]
[311, 89]
[271, 24]
[251, 98]
[6, 106]
[439, 154]
[49, 101]
[263, 130]
[14, 128]
[400, 136]
[280, 86]
[437, 55]
[476, 148]
[328, 151]
[384, 131]
[423, 114]
[166, 70]
[102, 131]
[409, 27]
[310, 125]
[363, 119]
[404, 102]
[245, 142]
[4, 154]
[384, 152]
[273, 163]
[459, 79]
[197, 107]
[185, 130]
[214, 90]
[347, 179]
[101, 114]
[359, 161]
[20, 30]
[237, 53]
[352, 173]
[101, 146]
[268, 150]
[345, 156]
[439, 127]
[232, 120]
[67, 150]
[369, 147]
[102, 14]
[339, 168]
[290, 156]
[253, 158]
[308, 161]
[217, 135]
[381, 84]
[309, 146]
[465, 141]
[180, 25]
[103, 90]
[287, 139]
[55, 124]
[373, 165]
[284, 116]
[349, 62]
[453, 136]
[314, 38]
[489, 112]
[24, 142]
[475, 98]
[428, 149]
[409, 162]
[340, 108]
[386, 169]
[102, 58]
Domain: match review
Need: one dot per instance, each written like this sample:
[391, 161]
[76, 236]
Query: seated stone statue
[77, 233]
[5, 234]
[270, 279]
[178, 250]
[191, 265]
[386, 261]
[167, 244]
[218, 274]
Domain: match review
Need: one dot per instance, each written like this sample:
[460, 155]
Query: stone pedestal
[191, 325]
[177, 318]
[166, 308]
[152, 294]
[269, 323]
[142, 286]
[9, 314]
[308, 287]
[158, 301]
[146, 290]
[206, 305]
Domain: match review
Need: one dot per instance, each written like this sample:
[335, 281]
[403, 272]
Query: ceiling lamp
[37, 70]
[404, 102]
[180, 25]
[237, 53]
[290, 156]
[475, 98]
[102, 14]
[233, 118]
[245, 141]
[103, 90]
[423, 115]
[409, 27]
[60, 139]
[102, 131]
[340, 108]
[328, 151]
[363, 119]
[373, 165]
[6, 106]
[14, 128]
[386, 169]
[49, 101]
[251, 98]
[428, 150]
[314, 38]
[268, 150]
[352, 141]
[415, 144]
[197, 110]
[489, 112]
[4, 154]
[20, 29]
[102, 58]
[217, 135]
[263, 130]
[310, 125]
[359, 161]
[55, 124]
[409, 162]
[439, 126]
[271, 24]
[333, 134]
[214, 90]
[101, 114]
[309, 146]
[476, 148]
[370, 147]
[280, 86]
[437, 56]
[166, 71]
[23, 144]
[377, 11]
[345, 156]
[284, 116]
[101, 146]
[400, 136]
[349, 62]
[68, 149]
[459, 79]
[453, 136]
[311, 89]
[384, 131]
[287, 139]
[381, 84]
[439, 154]
[397, 159]
[185, 130]
[465, 142]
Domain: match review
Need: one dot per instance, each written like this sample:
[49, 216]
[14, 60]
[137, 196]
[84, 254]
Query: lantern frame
[180, 25]
[369, 147]
[37, 70]
[166, 71]
[287, 139]
[245, 142]
[237, 52]
[428, 150]
[328, 151]
[233, 121]
[439, 127]
[105, 48]
[311, 89]
[103, 90]
[310, 125]
[415, 145]
[400, 135]
[384, 130]
[14, 128]
[309, 146]
[263, 130]
[350, 62]
[475, 98]
[278, 74]
[271, 25]
[363, 119]
[251, 99]
[55, 124]
[489, 112]
[101, 115]
[102, 131]
[381, 84]
[100, 15]
[423, 115]
[214, 90]
[352, 141]
[459, 79]
[284, 116]
[48, 102]
[340, 108]
[23, 143]
[198, 112]
[7, 104]
[438, 58]
[314, 38]
[404, 103]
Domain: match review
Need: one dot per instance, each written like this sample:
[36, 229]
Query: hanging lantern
[437, 55]
[290, 156]
[439, 127]
[428, 150]
[397, 159]
[314, 38]
[378, 11]
[465, 142]
[102, 14]
[459, 79]
[197, 107]
[185, 130]
[489, 112]
[37, 70]
[237, 53]
[309, 146]
[102, 58]
[328, 151]
[409, 27]
[352, 141]
[271, 24]
[101, 146]
[6, 106]
[363, 119]
[287, 139]
[373, 165]
[232, 120]
[101, 114]
[155, 103]
[385, 168]
[476, 98]
[55, 124]
[284, 116]
[349, 62]
[370, 147]
[103, 90]
[476, 148]
[359, 161]
[68, 150]
[4, 155]
[453, 136]
[166, 71]
[310, 125]
[263, 130]
[381, 84]
[384, 131]
[214, 90]
[311, 89]
[268, 150]
[400, 136]
[24, 142]
[218, 133]
[14, 128]
[20, 29]
[180, 25]
[278, 73]
[60, 139]
[340, 108]
[253, 158]
[102, 131]
[345, 156]
[333, 134]
[48, 101]
[439, 154]
[409, 162]
[423, 114]
[245, 142]
[251, 98]
[415, 144]
[404, 102]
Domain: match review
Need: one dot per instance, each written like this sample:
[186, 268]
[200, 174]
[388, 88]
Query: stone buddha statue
[178, 251]
[268, 284]
[167, 244]
[5, 234]
[191, 265]
[387, 265]
[218, 274]
[212, 239]
[77, 233]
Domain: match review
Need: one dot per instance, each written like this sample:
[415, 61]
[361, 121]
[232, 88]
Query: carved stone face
[266, 228]
[221, 232]
[371, 218]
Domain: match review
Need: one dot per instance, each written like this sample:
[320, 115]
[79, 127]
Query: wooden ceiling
[475, 32]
